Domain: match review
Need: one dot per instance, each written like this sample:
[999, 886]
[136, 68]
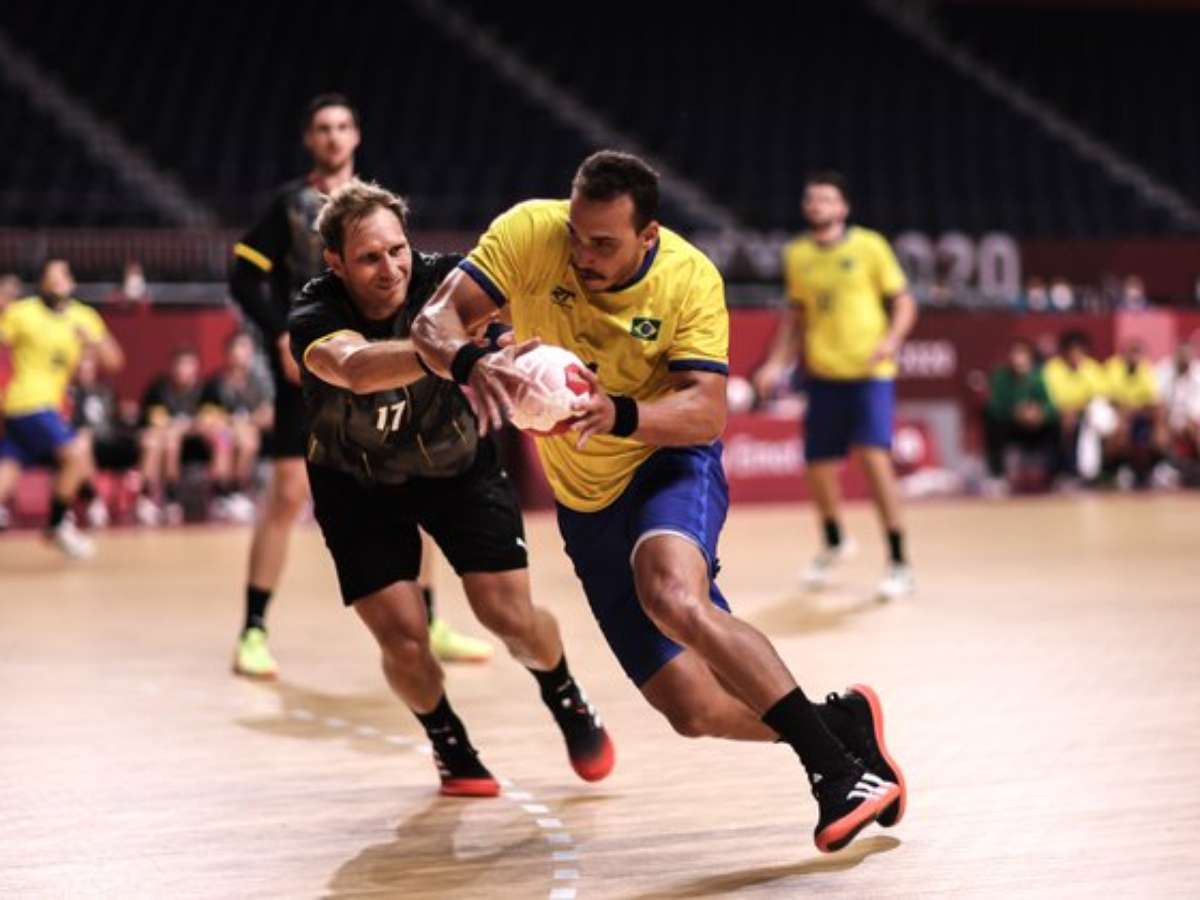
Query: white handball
[558, 374]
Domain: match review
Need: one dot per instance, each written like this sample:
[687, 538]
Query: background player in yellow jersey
[640, 488]
[841, 281]
[47, 334]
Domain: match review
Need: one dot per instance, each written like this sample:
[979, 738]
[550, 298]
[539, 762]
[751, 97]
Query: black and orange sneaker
[849, 802]
[856, 719]
[462, 774]
[590, 749]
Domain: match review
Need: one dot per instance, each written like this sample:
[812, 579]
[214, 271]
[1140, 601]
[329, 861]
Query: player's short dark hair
[1074, 338]
[829, 178]
[324, 101]
[352, 202]
[607, 174]
[48, 261]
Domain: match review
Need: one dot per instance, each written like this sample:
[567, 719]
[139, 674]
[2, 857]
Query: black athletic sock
[833, 533]
[796, 721]
[441, 724]
[171, 491]
[256, 608]
[58, 511]
[896, 546]
[86, 492]
[554, 682]
[427, 593]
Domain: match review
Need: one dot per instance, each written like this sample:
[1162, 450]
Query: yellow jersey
[1073, 389]
[1132, 390]
[670, 316]
[46, 347]
[843, 288]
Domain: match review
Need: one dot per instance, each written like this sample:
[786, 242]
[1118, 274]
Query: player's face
[824, 205]
[376, 261]
[57, 282]
[332, 137]
[606, 247]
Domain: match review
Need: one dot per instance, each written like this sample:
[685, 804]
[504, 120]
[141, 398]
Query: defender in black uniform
[272, 262]
[392, 447]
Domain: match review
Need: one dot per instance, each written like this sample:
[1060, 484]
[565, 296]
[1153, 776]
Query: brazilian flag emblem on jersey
[645, 329]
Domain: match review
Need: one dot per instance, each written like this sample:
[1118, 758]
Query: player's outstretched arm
[348, 360]
[693, 413]
[442, 335]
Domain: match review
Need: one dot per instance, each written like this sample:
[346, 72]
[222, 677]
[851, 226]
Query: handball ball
[559, 375]
[739, 394]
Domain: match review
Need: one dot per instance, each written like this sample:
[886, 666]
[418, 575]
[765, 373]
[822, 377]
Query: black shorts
[117, 453]
[289, 433]
[371, 529]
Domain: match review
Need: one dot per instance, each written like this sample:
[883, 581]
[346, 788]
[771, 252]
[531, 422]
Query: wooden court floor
[1043, 695]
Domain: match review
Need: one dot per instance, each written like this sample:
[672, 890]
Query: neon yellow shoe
[450, 646]
[252, 658]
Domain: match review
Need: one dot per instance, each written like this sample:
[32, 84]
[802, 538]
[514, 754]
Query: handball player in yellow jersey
[841, 280]
[639, 484]
[46, 335]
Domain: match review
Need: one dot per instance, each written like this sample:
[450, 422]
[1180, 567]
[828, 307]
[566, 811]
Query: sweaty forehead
[377, 230]
[601, 218]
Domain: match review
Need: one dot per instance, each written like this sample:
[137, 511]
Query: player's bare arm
[693, 413]
[348, 360]
[903, 318]
[442, 335]
[785, 348]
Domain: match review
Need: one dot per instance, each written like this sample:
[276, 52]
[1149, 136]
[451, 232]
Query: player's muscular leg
[395, 616]
[691, 698]
[877, 463]
[75, 467]
[823, 482]
[671, 576]
[501, 601]
[285, 499]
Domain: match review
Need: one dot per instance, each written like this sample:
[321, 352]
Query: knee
[402, 643]
[690, 720]
[504, 615]
[288, 498]
[674, 608]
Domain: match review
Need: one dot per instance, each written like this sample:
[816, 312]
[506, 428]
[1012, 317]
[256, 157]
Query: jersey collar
[647, 262]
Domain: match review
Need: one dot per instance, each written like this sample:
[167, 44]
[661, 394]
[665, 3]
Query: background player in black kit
[271, 263]
[393, 447]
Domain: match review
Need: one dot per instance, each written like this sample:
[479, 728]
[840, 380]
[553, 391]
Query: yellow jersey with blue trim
[669, 316]
[1133, 387]
[46, 346]
[843, 289]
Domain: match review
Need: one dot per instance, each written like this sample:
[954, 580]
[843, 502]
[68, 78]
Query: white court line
[335, 722]
[565, 855]
[303, 715]
[535, 809]
[559, 837]
[549, 823]
[562, 894]
[398, 739]
[566, 874]
[519, 796]
[366, 731]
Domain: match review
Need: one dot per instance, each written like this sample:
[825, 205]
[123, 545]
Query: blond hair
[353, 202]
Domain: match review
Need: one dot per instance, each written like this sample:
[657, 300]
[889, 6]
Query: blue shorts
[845, 414]
[34, 438]
[680, 490]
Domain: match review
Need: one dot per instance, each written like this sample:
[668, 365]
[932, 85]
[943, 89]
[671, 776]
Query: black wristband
[626, 421]
[464, 361]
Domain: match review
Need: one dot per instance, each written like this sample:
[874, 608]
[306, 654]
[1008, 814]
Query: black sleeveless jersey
[423, 430]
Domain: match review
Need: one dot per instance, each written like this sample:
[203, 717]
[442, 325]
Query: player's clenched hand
[594, 413]
[495, 383]
[291, 371]
[887, 349]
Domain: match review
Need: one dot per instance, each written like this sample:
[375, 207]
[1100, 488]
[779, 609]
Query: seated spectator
[111, 435]
[1062, 295]
[1179, 380]
[168, 418]
[1074, 379]
[235, 408]
[1018, 413]
[133, 292]
[1133, 293]
[1140, 434]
